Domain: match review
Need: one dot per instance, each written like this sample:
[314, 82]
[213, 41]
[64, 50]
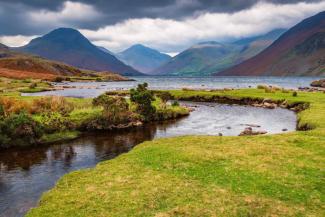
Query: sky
[169, 26]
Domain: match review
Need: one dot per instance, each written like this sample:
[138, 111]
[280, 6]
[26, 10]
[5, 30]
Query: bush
[175, 103]
[99, 79]
[52, 104]
[116, 109]
[143, 98]
[33, 85]
[164, 96]
[294, 94]
[55, 122]
[58, 79]
[19, 129]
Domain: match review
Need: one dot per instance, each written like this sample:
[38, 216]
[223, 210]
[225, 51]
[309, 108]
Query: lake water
[26, 173]
[93, 89]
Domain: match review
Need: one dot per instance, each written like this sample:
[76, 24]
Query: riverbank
[280, 175]
[28, 121]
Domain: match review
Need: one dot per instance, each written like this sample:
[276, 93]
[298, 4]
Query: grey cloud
[13, 12]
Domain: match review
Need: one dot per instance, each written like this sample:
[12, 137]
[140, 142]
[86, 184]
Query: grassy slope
[279, 175]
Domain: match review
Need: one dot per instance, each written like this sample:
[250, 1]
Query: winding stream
[26, 173]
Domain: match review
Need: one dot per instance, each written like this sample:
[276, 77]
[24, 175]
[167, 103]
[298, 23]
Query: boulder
[248, 131]
[318, 83]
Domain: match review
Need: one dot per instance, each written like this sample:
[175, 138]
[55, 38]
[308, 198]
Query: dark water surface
[93, 89]
[26, 173]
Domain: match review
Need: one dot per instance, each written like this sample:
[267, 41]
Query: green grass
[270, 175]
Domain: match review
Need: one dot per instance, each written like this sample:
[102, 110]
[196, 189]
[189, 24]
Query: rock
[228, 128]
[318, 83]
[269, 105]
[220, 134]
[248, 131]
[284, 129]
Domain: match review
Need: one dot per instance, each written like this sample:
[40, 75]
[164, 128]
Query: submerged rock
[248, 131]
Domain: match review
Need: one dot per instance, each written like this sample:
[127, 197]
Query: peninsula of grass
[269, 175]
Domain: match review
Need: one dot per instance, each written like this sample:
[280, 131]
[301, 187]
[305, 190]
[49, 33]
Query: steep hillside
[298, 52]
[18, 65]
[70, 46]
[208, 57]
[143, 58]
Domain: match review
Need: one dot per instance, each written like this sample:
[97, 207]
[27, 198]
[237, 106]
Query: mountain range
[143, 58]
[208, 57]
[298, 52]
[70, 46]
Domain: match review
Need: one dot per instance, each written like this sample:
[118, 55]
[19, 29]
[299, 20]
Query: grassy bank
[273, 175]
[37, 120]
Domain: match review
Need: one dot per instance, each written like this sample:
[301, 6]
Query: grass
[270, 175]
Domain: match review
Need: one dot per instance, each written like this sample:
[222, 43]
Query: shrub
[54, 122]
[52, 104]
[175, 103]
[19, 129]
[294, 94]
[143, 98]
[262, 86]
[116, 109]
[164, 96]
[269, 90]
[99, 79]
[68, 79]
[58, 79]
[33, 85]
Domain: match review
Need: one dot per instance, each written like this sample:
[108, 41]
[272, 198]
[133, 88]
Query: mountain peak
[143, 58]
[70, 46]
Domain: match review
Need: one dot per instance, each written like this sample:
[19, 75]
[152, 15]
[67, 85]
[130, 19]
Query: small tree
[143, 98]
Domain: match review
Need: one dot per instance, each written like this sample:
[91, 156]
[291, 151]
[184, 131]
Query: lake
[93, 89]
[25, 173]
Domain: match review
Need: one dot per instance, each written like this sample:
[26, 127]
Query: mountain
[70, 46]
[105, 50]
[298, 52]
[208, 57]
[19, 65]
[143, 58]
[197, 59]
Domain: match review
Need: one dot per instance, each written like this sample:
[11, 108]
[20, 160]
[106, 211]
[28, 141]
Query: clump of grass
[285, 90]
[294, 94]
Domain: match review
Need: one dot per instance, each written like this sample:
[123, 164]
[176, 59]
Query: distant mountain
[298, 52]
[209, 57]
[70, 46]
[143, 58]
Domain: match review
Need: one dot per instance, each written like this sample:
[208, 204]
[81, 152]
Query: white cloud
[16, 41]
[69, 13]
[172, 36]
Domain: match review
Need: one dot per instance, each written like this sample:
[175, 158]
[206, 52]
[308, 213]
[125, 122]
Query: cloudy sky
[167, 25]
